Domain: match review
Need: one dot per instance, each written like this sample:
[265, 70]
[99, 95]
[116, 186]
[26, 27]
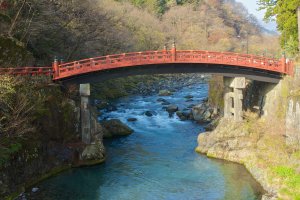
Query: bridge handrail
[168, 56]
[26, 71]
[63, 70]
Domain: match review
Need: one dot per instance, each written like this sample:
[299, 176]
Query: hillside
[39, 30]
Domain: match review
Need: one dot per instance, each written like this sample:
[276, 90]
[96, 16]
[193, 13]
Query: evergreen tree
[285, 14]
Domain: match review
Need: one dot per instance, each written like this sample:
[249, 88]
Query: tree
[285, 14]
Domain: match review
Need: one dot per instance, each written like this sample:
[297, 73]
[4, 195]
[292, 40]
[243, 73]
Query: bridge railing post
[173, 52]
[85, 114]
[55, 68]
[233, 98]
[283, 64]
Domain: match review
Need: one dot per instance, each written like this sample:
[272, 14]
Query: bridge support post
[85, 113]
[233, 97]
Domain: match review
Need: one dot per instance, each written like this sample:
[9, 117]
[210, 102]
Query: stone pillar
[228, 102]
[85, 113]
[233, 98]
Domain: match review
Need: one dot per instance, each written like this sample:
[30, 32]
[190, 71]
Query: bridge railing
[172, 56]
[32, 71]
[112, 61]
[228, 58]
[64, 70]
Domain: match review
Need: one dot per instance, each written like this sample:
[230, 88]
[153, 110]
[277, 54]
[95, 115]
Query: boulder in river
[115, 128]
[181, 116]
[34, 190]
[202, 113]
[172, 108]
[132, 119]
[161, 100]
[165, 93]
[149, 113]
[188, 97]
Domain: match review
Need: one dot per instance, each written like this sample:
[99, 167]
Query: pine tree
[285, 14]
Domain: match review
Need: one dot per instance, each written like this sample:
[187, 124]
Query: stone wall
[293, 124]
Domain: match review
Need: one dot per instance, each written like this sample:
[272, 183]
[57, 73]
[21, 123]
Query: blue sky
[252, 7]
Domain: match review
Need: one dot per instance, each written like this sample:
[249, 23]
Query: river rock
[212, 125]
[149, 113]
[161, 100]
[93, 152]
[116, 128]
[188, 114]
[132, 119]
[164, 93]
[207, 115]
[181, 116]
[188, 97]
[34, 190]
[198, 112]
[172, 108]
[22, 196]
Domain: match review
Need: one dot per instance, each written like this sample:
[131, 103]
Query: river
[156, 162]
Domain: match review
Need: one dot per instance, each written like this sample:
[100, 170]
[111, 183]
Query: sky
[252, 7]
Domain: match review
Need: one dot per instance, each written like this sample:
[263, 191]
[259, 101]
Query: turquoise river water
[156, 162]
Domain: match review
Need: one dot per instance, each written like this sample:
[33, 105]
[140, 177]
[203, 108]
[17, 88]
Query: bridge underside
[227, 71]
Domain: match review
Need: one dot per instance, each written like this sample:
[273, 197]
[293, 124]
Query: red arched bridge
[164, 61]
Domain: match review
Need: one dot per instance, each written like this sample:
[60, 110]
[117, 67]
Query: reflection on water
[156, 162]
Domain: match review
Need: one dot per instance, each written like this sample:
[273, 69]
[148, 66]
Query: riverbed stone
[189, 96]
[115, 128]
[149, 113]
[181, 115]
[132, 119]
[172, 108]
[161, 100]
[165, 93]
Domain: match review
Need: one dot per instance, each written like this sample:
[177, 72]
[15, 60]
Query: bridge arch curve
[175, 68]
[172, 61]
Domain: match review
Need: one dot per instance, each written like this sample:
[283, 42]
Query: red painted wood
[33, 71]
[65, 70]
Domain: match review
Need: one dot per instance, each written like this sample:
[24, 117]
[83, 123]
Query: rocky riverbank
[52, 145]
[262, 143]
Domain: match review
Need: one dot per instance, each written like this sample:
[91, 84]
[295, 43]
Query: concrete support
[233, 98]
[85, 113]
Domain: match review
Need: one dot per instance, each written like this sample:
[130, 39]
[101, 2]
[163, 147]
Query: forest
[39, 30]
